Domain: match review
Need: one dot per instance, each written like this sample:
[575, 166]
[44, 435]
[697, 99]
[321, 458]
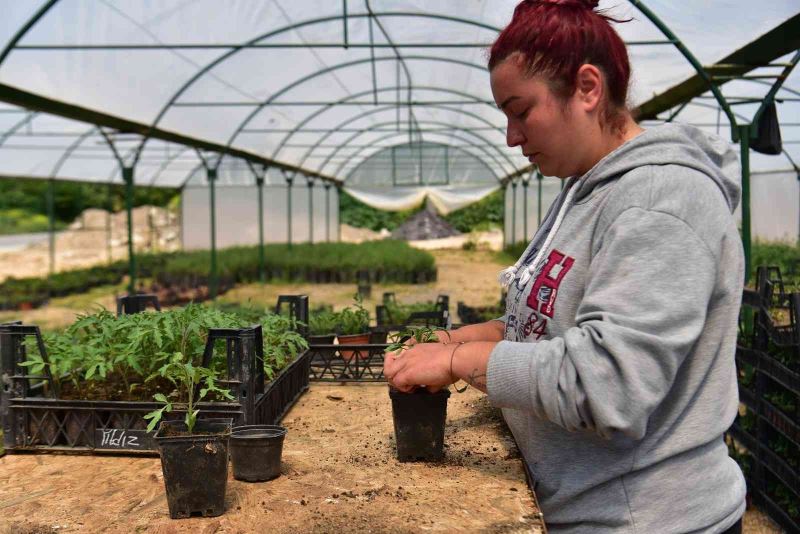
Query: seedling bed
[34, 422]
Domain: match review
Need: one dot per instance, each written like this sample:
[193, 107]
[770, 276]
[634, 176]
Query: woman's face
[548, 130]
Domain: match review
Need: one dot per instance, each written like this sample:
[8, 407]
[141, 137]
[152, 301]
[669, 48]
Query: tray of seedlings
[100, 385]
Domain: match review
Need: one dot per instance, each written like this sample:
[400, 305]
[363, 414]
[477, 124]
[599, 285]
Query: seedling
[421, 334]
[186, 377]
[354, 320]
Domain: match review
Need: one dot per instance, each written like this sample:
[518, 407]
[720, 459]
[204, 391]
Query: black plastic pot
[321, 339]
[419, 419]
[256, 452]
[195, 466]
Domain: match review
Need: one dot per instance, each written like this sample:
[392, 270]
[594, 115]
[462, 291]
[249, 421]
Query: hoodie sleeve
[648, 289]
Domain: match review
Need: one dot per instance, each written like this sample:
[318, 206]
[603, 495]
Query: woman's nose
[514, 136]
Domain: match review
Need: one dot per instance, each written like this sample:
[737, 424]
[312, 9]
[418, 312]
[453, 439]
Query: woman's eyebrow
[507, 101]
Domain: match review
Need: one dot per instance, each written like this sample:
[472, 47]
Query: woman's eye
[523, 114]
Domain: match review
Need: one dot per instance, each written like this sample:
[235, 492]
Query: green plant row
[387, 261]
[105, 357]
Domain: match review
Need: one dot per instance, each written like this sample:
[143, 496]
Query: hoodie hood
[671, 144]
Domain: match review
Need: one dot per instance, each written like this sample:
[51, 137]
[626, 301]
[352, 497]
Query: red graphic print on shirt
[542, 297]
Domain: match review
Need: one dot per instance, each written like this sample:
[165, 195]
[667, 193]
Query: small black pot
[195, 466]
[419, 419]
[256, 452]
[322, 339]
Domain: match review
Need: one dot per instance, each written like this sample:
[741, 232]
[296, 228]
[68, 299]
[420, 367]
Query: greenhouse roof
[318, 87]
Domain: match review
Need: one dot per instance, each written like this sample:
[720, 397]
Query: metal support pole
[212, 201]
[327, 212]
[338, 214]
[261, 264]
[289, 181]
[110, 207]
[539, 179]
[51, 225]
[744, 145]
[525, 210]
[505, 195]
[310, 212]
[127, 177]
[447, 164]
[394, 167]
[514, 213]
[344, 23]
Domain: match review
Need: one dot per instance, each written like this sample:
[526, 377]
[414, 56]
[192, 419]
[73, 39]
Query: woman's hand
[424, 364]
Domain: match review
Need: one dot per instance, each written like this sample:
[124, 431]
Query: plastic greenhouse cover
[211, 70]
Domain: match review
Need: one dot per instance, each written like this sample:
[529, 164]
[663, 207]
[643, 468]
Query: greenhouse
[240, 164]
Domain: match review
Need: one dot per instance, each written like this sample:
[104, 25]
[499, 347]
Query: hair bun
[583, 4]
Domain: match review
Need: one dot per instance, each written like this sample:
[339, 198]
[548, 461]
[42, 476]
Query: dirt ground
[338, 474]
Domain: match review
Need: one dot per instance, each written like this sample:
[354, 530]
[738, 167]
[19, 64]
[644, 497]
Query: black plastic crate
[34, 418]
[768, 362]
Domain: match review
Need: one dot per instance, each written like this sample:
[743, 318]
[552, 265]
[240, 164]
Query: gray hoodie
[617, 372]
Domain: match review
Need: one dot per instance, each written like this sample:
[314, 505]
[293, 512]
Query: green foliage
[387, 261]
[421, 334]
[322, 321]
[282, 342]
[185, 377]
[70, 199]
[783, 255]
[399, 313]
[101, 347]
[486, 214]
[355, 319]
[21, 221]
[355, 213]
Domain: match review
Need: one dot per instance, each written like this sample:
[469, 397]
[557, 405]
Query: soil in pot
[195, 467]
[419, 419]
[256, 452]
[352, 339]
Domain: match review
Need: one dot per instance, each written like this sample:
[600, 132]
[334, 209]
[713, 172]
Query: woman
[614, 362]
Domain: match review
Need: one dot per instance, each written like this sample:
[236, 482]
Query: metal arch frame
[29, 116]
[698, 67]
[22, 31]
[392, 134]
[385, 108]
[382, 109]
[389, 147]
[295, 26]
[448, 132]
[259, 107]
[328, 107]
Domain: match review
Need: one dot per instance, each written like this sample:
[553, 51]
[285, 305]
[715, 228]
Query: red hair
[555, 37]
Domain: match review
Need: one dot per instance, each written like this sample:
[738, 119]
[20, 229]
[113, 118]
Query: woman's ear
[589, 87]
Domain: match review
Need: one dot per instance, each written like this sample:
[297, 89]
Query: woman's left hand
[424, 364]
